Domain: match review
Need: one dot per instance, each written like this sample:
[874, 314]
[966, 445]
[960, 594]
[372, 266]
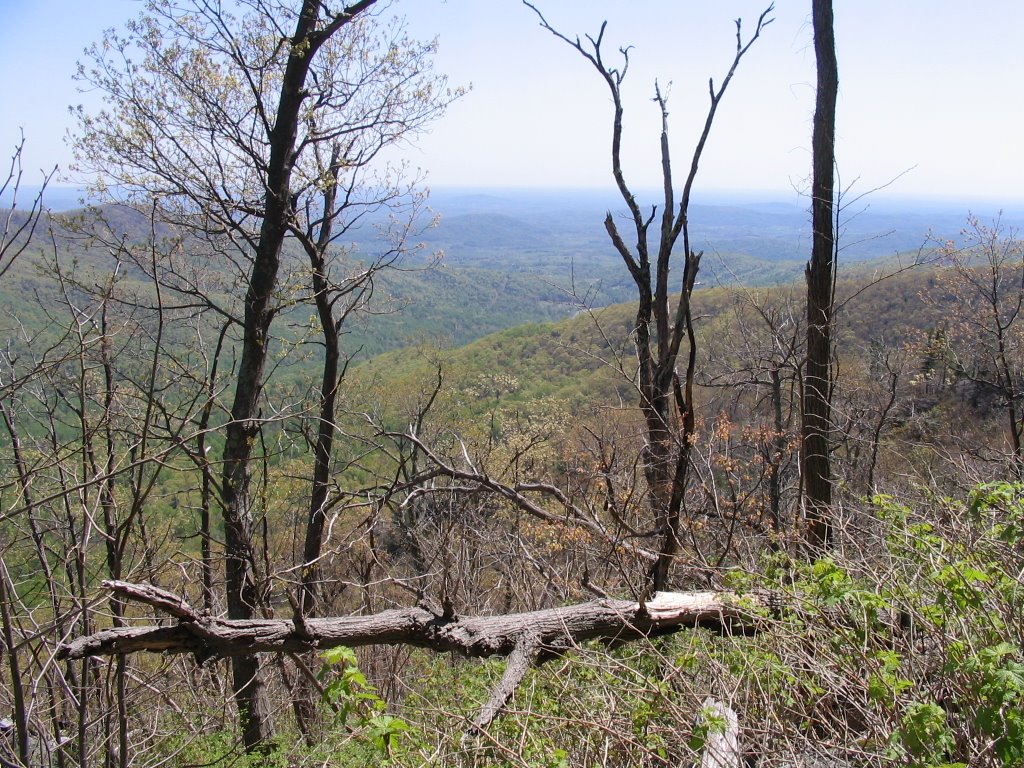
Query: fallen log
[527, 638]
[554, 629]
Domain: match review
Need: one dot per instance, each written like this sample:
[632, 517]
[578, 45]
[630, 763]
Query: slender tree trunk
[322, 295]
[777, 450]
[13, 665]
[116, 755]
[241, 580]
[207, 486]
[876, 437]
[304, 692]
[817, 477]
[1008, 382]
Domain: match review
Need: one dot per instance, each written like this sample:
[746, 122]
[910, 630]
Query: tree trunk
[241, 581]
[526, 638]
[817, 478]
[13, 666]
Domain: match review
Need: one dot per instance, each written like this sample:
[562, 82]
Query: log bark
[551, 631]
[524, 656]
[527, 639]
[820, 275]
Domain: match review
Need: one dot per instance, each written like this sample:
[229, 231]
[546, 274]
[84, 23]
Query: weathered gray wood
[520, 661]
[721, 749]
[526, 638]
[555, 629]
[159, 598]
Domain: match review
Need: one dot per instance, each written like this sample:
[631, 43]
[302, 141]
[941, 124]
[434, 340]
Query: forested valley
[298, 473]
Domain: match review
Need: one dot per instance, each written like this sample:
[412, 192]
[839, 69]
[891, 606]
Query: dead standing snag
[666, 396]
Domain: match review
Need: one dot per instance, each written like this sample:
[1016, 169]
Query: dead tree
[666, 394]
[821, 270]
[526, 639]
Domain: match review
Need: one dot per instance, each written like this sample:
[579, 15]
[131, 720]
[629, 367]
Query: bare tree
[17, 234]
[817, 477]
[984, 277]
[92, 437]
[758, 377]
[666, 395]
[19, 225]
[236, 126]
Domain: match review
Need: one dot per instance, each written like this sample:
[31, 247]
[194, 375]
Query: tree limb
[527, 639]
[554, 629]
[524, 656]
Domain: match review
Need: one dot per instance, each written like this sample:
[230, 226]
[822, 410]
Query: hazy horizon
[934, 125]
[60, 197]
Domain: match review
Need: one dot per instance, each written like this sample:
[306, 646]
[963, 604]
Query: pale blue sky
[932, 85]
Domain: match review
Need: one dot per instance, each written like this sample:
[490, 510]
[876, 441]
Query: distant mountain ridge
[550, 224]
[520, 256]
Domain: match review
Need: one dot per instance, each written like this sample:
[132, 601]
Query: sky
[931, 99]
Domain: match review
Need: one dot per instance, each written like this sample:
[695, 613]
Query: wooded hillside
[281, 488]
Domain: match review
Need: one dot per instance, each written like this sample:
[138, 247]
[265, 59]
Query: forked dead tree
[664, 318]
